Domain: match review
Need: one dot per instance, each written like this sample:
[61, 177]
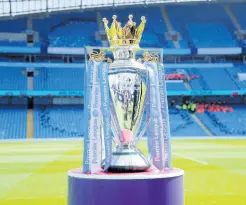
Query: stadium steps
[188, 86]
[101, 27]
[233, 18]
[232, 78]
[30, 125]
[202, 125]
[168, 25]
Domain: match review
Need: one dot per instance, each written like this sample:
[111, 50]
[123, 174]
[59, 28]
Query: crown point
[143, 19]
[130, 34]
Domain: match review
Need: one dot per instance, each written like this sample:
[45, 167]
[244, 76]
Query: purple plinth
[148, 188]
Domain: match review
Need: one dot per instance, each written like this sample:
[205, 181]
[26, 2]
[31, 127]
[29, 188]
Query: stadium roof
[20, 7]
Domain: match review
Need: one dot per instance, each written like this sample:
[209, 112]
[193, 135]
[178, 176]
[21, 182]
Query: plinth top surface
[150, 174]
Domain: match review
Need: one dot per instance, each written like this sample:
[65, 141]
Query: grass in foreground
[34, 173]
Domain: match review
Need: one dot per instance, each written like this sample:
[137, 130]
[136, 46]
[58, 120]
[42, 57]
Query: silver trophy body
[128, 81]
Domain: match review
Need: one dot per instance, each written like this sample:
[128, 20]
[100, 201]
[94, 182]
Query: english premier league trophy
[125, 101]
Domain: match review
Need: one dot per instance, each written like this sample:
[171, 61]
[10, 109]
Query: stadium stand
[59, 79]
[19, 25]
[182, 124]
[233, 73]
[201, 30]
[72, 35]
[208, 79]
[176, 86]
[239, 11]
[13, 121]
[67, 33]
[212, 35]
[13, 39]
[12, 79]
[226, 124]
[58, 121]
[175, 28]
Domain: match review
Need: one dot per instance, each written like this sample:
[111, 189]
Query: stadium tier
[58, 121]
[13, 121]
[208, 79]
[181, 30]
[67, 121]
[72, 34]
[12, 79]
[59, 79]
[239, 11]
[234, 74]
[231, 125]
[194, 77]
[203, 30]
[176, 86]
[53, 121]
[182, 124]
[51, 78]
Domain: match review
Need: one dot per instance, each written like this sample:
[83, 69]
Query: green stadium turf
[34, 173]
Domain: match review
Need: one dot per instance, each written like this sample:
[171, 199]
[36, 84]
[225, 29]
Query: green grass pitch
[35, 173]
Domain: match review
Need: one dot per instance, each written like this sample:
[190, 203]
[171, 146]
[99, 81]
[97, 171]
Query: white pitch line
[35, 150]
[190, 158]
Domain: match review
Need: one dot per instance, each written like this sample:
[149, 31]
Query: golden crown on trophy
[128, 35]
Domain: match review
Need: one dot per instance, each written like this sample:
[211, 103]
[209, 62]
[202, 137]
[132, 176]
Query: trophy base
[146, 188]
[127, 161]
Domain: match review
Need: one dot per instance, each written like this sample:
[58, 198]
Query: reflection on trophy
[128, 80]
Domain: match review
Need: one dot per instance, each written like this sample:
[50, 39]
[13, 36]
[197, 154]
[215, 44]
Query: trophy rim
[149, 174]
